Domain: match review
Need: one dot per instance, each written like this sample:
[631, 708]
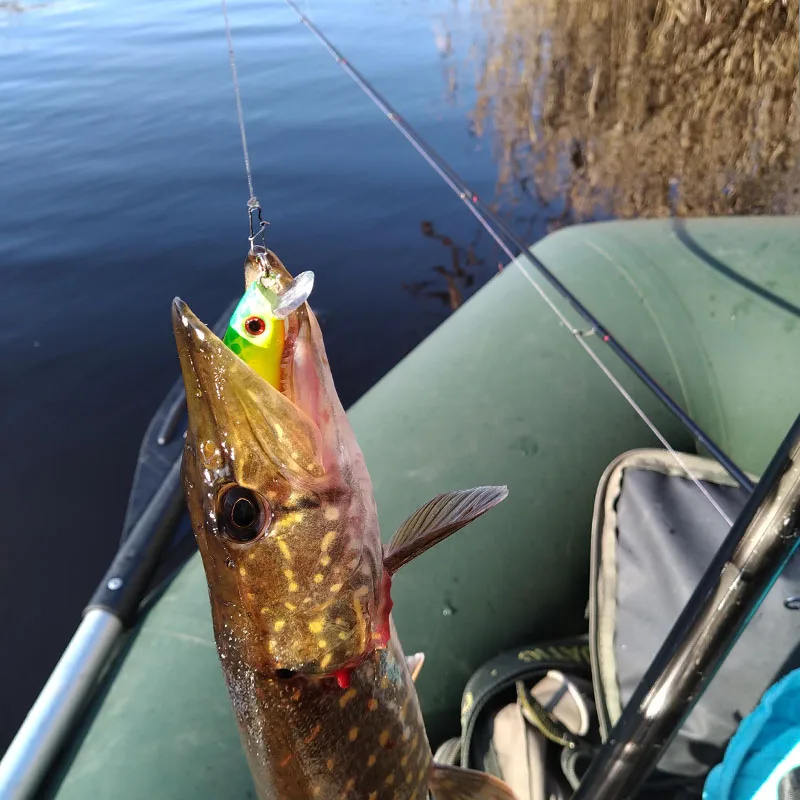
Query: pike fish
[299, 582]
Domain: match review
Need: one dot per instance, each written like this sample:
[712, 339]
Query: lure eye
[255, 326]
[243, 514]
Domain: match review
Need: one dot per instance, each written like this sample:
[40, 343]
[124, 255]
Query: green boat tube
[499, 393]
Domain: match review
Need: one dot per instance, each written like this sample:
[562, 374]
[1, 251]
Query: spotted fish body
[320, 740]
[285, 519]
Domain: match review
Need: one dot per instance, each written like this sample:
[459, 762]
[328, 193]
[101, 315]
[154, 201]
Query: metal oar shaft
[58, 705]
[71, 684]
[762, 540]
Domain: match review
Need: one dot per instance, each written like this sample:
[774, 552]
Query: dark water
[122, 185]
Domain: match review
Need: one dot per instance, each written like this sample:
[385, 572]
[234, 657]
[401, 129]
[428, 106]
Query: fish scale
[364, 741]
[299, 582]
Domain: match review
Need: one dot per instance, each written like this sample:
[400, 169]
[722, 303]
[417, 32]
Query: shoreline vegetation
[643, 108]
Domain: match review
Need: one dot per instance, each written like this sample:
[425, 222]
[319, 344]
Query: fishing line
[257, 224]
[492, 224]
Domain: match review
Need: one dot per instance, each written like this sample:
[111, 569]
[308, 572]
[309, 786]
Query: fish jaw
[304, 592]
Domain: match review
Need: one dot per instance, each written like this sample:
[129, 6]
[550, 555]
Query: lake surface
[122, 185]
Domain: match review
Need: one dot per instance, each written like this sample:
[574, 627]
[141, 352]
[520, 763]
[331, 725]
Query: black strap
[502, 672]
[514, 672]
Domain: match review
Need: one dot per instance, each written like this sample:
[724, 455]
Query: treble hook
[254, 214]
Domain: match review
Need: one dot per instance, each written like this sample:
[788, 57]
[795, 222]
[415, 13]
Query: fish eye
[255, 326]
[284, 674]
[243, 514]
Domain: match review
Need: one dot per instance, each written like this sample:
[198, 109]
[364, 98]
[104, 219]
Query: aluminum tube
[51, 717]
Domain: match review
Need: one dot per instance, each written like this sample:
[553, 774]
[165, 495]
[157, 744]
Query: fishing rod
[492, 223]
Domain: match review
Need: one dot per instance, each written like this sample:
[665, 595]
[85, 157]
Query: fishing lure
[257, 328]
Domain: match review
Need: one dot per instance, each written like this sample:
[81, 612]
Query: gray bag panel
[658, 533]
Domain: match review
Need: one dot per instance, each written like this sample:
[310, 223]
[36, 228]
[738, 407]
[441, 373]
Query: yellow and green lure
[257, 328]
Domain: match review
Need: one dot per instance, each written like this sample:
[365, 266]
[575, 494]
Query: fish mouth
[233, 408]
[204, 357]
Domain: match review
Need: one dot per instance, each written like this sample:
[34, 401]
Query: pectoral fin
[457, 783]
[436, 520]
[415, 665]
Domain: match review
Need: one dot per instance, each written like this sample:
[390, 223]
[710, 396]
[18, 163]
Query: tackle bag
[654, 534]
[536, 716]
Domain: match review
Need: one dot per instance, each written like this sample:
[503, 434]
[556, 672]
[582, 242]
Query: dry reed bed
[604, 103]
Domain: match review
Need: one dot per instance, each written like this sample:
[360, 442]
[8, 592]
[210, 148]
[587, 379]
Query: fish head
[281, 504]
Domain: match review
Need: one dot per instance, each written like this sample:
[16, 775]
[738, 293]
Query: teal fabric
[763, 750]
